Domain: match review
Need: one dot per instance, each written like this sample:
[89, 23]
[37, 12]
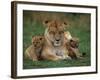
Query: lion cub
[72, 44]
[34, 51]
[73, 49]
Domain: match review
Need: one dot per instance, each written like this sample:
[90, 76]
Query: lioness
[54, 41]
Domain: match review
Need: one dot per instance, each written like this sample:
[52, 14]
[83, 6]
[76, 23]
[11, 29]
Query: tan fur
[54, 41]
[33, 52]
[67, 35]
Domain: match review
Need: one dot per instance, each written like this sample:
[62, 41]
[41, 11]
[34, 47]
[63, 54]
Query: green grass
[79, 28]
[49, 64]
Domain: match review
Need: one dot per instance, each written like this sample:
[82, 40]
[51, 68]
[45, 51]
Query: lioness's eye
[61, 32]
[52, 32]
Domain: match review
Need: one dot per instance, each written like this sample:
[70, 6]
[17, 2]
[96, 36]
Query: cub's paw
[68, 58]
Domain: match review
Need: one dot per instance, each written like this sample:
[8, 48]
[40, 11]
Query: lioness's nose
[57, 39]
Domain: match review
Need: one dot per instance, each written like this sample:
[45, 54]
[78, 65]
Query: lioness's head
[55, 32]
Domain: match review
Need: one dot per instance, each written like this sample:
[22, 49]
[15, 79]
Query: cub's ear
[75, 39]
[78, 40]
[32, 36]
[32, 39]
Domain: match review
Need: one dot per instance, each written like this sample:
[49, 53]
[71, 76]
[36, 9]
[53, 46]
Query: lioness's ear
[65, 24]
[46, 22]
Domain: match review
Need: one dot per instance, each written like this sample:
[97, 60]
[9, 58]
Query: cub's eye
[40, 38]
[61, 32]
[71, 40]
[51, 32]
[37, 42]
[33, 42]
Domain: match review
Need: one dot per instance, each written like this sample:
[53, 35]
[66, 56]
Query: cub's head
[38, 41]
[74, 42]
[55, 32]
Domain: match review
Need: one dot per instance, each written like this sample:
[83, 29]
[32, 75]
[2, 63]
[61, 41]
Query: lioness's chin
[57, 44]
